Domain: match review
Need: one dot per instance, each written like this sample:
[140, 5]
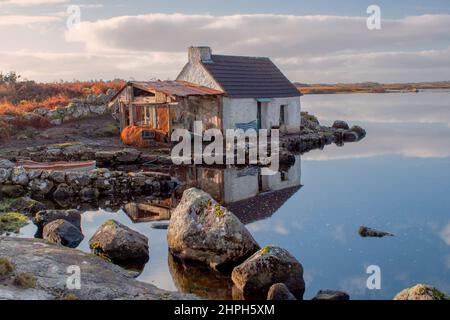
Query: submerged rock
[269, 266]
[368, 232]
[202, 230]
[120, 244]
[421, 292]
[62, 232]
[331, 295]
[279, 291]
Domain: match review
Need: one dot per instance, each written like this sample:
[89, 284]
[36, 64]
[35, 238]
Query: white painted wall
[239, 188]
[245, 110]
[293, 175]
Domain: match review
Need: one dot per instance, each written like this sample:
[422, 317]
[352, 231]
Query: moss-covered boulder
[202, 230]
[421, 292]
[120, 244]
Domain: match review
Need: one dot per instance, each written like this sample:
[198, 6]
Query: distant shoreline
[371, 87]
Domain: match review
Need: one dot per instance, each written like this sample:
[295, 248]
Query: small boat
[57, 166]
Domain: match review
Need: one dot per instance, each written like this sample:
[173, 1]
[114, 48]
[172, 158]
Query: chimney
[200, 54]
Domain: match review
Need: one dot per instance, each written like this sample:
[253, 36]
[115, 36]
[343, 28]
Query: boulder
[105, 156]
[421, 292]
[269, 266]
[5, 175]
[40, 186]
[26, 206]
[62, 192]
[279, 291]
[359, 131]
[34, 174]
[19, 176]
[46, 216]
[339, 124]
[120, 244]
[350, 136]
[331, 295]
[202, 230]
[128, 155]
[12, 191]
[62, 232]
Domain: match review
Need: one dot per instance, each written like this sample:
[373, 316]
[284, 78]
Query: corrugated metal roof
[176, 88]
[250, 77]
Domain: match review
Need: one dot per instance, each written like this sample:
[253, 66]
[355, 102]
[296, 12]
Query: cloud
[24, 20]
[307, 48]
[42, 66]
[26, 3]
[269, 34]
[445, 234]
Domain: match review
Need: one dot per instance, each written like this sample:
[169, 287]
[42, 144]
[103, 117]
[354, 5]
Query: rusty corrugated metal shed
[176, 88]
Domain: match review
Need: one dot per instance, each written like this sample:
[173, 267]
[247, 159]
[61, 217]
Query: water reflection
[200, 280]
[245, 191]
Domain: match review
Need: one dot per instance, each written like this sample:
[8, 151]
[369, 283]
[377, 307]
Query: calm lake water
[397, 179]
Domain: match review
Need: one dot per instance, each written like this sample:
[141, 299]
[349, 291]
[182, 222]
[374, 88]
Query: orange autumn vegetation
[18, 98]
[132, 136]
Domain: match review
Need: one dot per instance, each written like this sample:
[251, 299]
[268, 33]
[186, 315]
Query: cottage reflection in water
[248, 194]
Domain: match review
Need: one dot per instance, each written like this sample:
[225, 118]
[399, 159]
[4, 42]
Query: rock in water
[26, 206]
[202, 230]
[368, 232]
[279, 291]
[331, 295]
[339, 124]
[269, 266]
[359, 131]
[421, 292]
[47, 216]
[120, 244]
[62, 232]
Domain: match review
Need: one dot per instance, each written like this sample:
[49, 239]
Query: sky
[311, 41]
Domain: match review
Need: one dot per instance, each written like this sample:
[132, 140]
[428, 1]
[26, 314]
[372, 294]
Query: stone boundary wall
[78, 108]
[83, 186]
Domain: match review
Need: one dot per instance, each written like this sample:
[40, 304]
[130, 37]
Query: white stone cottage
[224, 92]
[256, 92]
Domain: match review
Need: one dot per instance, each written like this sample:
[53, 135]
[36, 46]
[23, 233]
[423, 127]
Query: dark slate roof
[249, 77]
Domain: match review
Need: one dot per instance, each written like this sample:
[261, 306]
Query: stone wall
[91, 106]
[83, 186]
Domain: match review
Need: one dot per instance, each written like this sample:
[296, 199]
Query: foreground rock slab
[202, 230]
[421, 292]
[101, 280]
[269, 266]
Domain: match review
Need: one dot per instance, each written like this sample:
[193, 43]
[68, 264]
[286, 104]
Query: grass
[6, 267]
[12, 222]
[25, 280]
